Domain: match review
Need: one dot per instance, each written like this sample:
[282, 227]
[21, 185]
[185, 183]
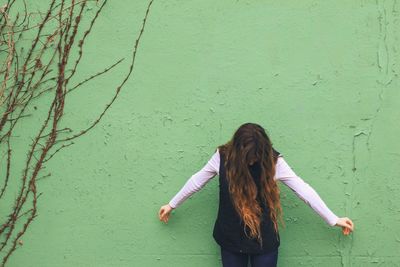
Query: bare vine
[41, 66]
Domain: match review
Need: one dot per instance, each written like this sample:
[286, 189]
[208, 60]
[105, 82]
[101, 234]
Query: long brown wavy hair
[251, 145]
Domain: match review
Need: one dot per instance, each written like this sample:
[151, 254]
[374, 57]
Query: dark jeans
[236, 259]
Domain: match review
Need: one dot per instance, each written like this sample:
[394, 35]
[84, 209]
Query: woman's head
[250, 145]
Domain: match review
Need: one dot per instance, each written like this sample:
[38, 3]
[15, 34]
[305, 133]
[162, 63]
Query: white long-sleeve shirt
[284, 173]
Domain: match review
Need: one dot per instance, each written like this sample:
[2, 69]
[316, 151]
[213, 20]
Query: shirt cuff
[172, 204]
[333, 220]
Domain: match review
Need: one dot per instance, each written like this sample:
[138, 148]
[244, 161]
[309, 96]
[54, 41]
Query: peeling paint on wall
[320, 76]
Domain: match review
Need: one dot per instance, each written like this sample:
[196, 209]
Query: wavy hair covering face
[251, 145]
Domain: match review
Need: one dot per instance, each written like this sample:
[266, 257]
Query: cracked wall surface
[321, 76]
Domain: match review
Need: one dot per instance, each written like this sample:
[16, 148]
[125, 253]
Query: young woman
[249, 206]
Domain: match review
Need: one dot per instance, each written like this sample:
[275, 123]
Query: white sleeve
[197, 181]
[304, 191]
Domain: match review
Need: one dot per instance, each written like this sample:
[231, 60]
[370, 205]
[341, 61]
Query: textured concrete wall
[320, 76]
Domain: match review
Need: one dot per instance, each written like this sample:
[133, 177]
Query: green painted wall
[320, 76]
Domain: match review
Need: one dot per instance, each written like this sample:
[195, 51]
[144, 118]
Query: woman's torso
[229, 229]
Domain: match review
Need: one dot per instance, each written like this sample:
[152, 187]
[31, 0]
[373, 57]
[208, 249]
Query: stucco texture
[320, 76]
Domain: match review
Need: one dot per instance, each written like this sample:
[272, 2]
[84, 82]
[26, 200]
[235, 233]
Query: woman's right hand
[164, 213]
[346, 224]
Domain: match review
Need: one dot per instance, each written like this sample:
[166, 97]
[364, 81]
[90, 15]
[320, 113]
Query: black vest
[229, 230]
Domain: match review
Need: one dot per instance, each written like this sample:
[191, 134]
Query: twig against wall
[39, 66]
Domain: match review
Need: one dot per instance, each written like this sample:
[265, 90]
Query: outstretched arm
[196, 182]
[304, 191]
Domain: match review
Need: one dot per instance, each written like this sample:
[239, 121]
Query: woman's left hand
[346, 224]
